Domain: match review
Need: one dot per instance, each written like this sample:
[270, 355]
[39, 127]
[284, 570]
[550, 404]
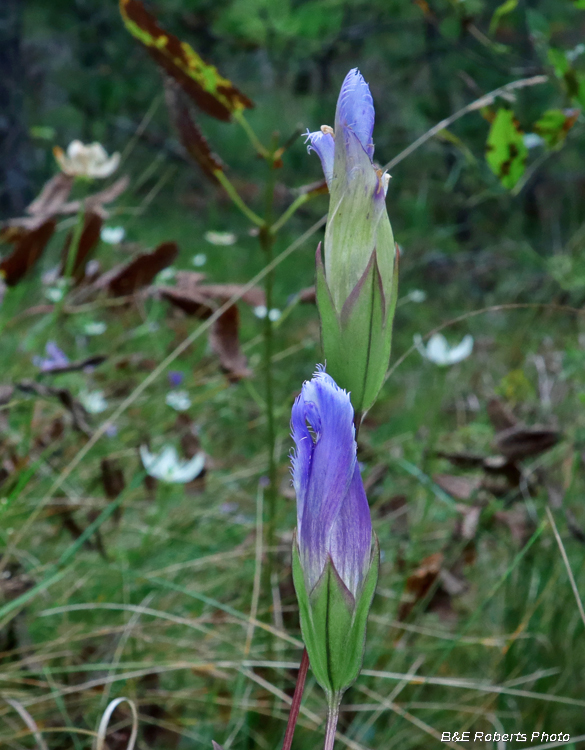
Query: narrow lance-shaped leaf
[212, 92]
[506, 151]
[191, 138]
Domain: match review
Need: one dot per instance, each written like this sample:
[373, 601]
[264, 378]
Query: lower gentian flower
[335, 565]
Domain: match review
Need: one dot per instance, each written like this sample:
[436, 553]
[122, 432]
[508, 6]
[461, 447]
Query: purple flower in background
[55, 358]
[332, 510]
[358, 223]
[175, 378]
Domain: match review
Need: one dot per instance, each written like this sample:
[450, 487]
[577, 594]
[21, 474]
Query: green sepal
[357, 341]
[333, 624]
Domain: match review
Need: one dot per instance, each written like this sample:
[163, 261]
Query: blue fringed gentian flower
[356, 286]
[334, 566]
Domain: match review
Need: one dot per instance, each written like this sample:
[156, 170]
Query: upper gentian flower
[356, 287]
[335, 567]
[358, 222]
[55, 358]
[86, 161]
[439, 352]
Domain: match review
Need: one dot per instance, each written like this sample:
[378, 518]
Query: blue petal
[324, 145]
[323, 466]
[350, 541]
[355, 110]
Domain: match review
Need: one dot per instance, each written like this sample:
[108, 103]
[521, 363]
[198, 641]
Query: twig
[483, 101]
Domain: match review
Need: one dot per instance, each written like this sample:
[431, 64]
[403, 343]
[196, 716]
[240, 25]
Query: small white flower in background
[55, 293]
[532, 140]
[95, 328]
[178, 400]
[93, 401]
[417, 295]
[168, 467]
[274, 315]
[220, 238]
[167, 274]
[439, 352]
[199, 260]
[86, 161]
[261, 311]
[112, 235]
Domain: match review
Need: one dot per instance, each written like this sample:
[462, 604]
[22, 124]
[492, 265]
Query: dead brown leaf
[308, 296]
[90, 236]
[225, 342]
[139, 272]
[112, 478]
[500, 415]
[519, 442]
[458, 487]
[190, 136]
[29, 247]
[202, 300]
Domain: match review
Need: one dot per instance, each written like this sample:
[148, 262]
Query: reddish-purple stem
[296, 702]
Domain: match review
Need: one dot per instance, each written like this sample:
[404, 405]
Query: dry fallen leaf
[519, 442]
[90, 236]
[461, 488]
[139, 272]
[29, 246]
[225, 342]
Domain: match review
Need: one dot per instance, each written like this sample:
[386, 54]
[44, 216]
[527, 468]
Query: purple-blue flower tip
[355, 109]
[332, 510]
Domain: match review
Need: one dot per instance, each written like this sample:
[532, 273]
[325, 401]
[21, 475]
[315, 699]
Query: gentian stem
[296, 702]
[332, 717]
[267, 244]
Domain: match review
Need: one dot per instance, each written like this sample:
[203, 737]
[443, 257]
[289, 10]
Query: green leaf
[579, 4]
[212, 92]
[333, 625]
[357, 342]
[507, 7]
[554, 125]
[559, 62]
[506, 152]
[316, 647]
[356, 640]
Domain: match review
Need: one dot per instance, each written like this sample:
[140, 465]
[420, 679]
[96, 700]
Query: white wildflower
[178, 400]
[168, 467]
[93, 401]
[274, 314]
[94, 328]
[439, 352]
[112, 235]
[86, 161]
[220, 238]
